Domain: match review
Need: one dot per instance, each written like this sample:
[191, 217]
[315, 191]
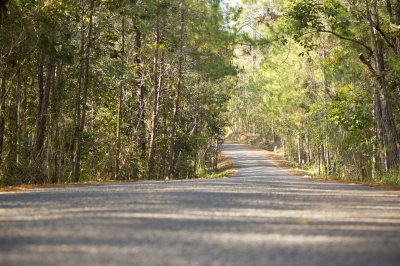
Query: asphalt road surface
[261, 216]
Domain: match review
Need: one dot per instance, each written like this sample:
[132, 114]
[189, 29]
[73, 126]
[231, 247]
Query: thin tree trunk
[18, 99]
[2, 112]
[153, 133]
[40, 97]
[77, 114]
[44, 101]
[379, 131]
[3, 11]
[140, 94]
[299, 149]
[327, 156]
[196, 144]
[140, 137]
[119, 111]
[397, 21]
[273, 133]
[323, 157]
[58, 96]
[13, 118]
[171, 166]
[82, 117]
[216, 156]
[308, 150]
[164, 156]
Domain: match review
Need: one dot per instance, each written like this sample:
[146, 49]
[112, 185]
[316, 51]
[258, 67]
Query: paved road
[261, 216]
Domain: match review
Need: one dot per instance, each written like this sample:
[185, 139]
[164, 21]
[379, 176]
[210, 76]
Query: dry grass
[44, 186]
[225, 169]
[225, 165]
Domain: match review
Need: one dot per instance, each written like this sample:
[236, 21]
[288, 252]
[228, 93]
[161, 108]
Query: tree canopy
[112, 89]
[144, 89]
[326, 87]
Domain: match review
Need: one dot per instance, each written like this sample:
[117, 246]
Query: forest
[320, 80]
[112, 89]
[95, 90]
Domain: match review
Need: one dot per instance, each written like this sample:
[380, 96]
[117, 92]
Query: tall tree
[175, 114]
[156, 91]
[82, 100]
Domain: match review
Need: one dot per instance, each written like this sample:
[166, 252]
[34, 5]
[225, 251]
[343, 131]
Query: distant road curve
[260, 216]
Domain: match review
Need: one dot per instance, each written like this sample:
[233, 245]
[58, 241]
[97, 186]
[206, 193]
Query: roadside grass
[26, 187]
[225, 168]
[389, 180]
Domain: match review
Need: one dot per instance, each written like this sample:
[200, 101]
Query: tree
[87, 93]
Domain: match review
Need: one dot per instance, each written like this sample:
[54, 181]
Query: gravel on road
[260, 216]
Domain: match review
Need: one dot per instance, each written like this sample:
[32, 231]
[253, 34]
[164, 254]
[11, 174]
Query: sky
[232, 2]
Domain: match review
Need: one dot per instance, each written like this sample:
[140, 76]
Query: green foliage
[388, 178]
[310, 94]
[46, 45]
[350, 109]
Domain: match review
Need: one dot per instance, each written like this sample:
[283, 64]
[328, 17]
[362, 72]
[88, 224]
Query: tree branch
[367, 63]
[387, 41]
[370, 51]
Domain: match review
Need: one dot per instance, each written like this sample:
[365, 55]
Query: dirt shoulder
[226, 167]
[26, 187]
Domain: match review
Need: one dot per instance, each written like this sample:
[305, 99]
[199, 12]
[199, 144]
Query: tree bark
[18, 111]
[298, 144]
[308, 150]
[195, 131]
[379, 131]
[327, 156]
[119, 110]
[2, 112]
[81, 118]
[153, 132]
[273, 133]
[387, 116]
[140, 94]
[44, 101]
[3, 10]
[397, 21]
[57, 102]
[171, 165]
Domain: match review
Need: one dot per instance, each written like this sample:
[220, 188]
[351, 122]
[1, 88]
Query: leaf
[396, 34]
[394, 27]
